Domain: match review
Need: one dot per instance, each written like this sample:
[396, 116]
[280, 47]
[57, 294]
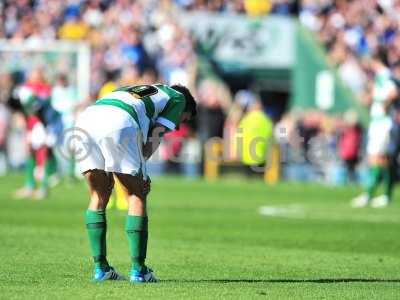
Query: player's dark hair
[382, 55]
[191, 104]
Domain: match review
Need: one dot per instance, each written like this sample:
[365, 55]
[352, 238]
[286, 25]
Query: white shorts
[379, 137]
[107, 138]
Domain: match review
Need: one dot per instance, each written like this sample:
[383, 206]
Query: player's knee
[97, 202]
[135, 201]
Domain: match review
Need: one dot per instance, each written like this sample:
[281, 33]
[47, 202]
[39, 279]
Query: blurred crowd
[252, 7]
[127, 38]
[354, 31]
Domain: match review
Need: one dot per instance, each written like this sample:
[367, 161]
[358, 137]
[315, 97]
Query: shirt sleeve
[391, 86]
[170, 115]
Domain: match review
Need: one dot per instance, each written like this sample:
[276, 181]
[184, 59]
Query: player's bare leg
[136, 225]
[134, 187]
[100, 187]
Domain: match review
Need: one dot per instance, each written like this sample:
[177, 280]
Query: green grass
[207, 240]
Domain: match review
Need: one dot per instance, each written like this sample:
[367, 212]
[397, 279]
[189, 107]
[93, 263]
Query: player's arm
[154, 139]
[392, 95]
[167, 120]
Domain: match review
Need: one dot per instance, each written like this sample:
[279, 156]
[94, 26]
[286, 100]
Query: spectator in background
[251, 7]
[257, 7]
[242, 100]
[214, 102]
[298, 138]
[5, 119]
[323, 151]
[64, 100]
[171, 149]
[255, 131]
[284, 7]
[109, 85]
[38, 83]
[213, 5]
[308, 127]
[350, 143]
[74, 28]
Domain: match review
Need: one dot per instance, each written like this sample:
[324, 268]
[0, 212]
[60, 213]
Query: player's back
[151, 103]
[157, 103]
[98, 120]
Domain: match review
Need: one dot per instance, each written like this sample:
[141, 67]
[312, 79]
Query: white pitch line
[290, 211]
[296, 211]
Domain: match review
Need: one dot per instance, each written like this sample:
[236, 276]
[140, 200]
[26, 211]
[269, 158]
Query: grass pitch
[229, 239]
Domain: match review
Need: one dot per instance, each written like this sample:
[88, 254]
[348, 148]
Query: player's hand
[111, 181]
[146, 186]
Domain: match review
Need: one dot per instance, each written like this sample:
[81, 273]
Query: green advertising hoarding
[238, 44]
[315, 83]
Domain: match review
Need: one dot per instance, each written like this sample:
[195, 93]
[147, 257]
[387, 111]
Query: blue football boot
[144, 276]
[103, 275]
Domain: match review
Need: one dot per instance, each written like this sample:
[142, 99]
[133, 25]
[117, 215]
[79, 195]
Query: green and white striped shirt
[148, 104]
[383, 86]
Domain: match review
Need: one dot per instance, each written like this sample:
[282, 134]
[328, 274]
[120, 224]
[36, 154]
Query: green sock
[387, 182]
[96, 226]
[136, 230]
[52, 164]
[375, 175]
[49, 169]
[30, 172]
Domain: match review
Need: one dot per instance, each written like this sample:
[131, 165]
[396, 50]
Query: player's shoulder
[172, 94]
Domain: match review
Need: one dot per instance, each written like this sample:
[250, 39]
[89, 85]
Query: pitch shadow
[321, 280]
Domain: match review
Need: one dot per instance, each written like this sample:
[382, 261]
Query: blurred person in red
[350, 143]
[172, 146]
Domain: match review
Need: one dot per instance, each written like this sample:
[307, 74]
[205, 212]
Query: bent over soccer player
[120, 132]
